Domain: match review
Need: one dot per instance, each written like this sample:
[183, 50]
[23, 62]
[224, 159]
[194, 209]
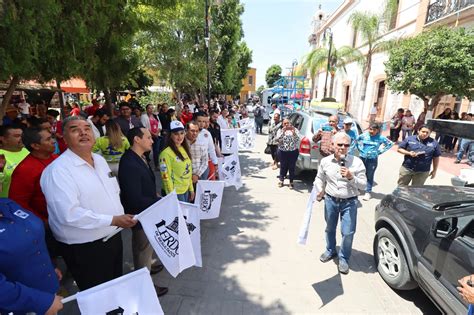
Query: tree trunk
[435, 101]
[61, 99]
[331, 85]
[313, 87]
[8, 95]
[108, 102]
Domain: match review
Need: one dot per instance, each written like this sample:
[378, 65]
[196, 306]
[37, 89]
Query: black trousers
[288, 163]
[95, 262]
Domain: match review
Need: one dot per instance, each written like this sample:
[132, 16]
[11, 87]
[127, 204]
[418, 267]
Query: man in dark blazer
[138, 192]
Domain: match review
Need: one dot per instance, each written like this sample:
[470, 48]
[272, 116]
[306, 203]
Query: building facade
[411, 18]
[248, 85]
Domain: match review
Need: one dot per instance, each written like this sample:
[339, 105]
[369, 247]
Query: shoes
[274, 167]
[280, 184]
[292, 186]
[325, 257]
[457, 161]
[367, 196]
[343, 267]
[160, 291]
[156, 268]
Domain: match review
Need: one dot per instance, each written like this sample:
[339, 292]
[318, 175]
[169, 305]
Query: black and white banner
[229, 141]
[246, 137]
[166, 229]
[209, 198]
[229, 171]
[133, 293]
[191, 215]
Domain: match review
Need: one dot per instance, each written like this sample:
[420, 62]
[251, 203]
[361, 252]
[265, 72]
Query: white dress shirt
[205, 139]
[81, 199]
[329, 177]
[95, 131]
[223, 122]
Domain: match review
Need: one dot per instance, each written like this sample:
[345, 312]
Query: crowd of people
[68, 183]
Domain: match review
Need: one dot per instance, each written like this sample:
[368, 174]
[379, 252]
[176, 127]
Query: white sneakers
[366, 196]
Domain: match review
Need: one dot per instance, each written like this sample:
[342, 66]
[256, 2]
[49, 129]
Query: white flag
[209, 198]
[133, 293]
[229, 171]
[246, 122]
[303, 234]
[191, 214]
[246, 137]
[229, 141]
[166, 230]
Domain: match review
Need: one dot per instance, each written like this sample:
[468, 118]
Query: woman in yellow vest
[175, 164]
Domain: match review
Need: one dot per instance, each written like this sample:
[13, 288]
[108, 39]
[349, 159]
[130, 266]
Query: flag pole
[69, 299]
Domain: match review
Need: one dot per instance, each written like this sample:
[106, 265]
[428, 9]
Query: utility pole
[207, 40]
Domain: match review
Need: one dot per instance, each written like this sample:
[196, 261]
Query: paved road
[252, 264]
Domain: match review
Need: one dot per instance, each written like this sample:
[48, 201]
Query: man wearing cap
[126, 120]
[348, 124]
[371, 144]
[11, 113]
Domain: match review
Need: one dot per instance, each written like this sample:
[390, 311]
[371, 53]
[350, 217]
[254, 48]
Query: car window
[318, 122]
[298, 123]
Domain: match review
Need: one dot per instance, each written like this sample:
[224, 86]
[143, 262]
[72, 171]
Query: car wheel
[391, 261]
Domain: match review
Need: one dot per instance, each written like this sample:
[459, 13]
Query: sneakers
[325, 257]
[367, 196]
[457, 161]
[280, 184]
[343, 267]
[292, 186]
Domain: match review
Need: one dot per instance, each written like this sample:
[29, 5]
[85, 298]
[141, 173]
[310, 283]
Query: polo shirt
[422, 162]
[12, 161]
[25, 186]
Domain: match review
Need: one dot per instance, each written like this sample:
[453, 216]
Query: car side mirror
[445, 227]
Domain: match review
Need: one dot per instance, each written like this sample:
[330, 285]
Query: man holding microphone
[339, 179]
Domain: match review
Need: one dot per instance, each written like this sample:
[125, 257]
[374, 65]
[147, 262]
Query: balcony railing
[442, 8]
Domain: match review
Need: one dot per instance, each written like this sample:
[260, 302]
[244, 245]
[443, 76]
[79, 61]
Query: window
[394, 14]
[250, 80]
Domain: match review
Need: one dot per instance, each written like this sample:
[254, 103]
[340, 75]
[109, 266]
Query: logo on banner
[191, 227]
[118, 311]
[246, 136]
[228, 141]
[168, 241]
[230, 169]
[206, 200]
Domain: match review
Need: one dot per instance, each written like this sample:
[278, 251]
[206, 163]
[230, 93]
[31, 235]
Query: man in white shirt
[205, 138]
[199, 155]
[24, 108]
[84, 206]
[222, 119]
[340, 177]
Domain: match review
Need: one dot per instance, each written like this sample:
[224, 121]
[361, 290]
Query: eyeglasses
[333, 121]
[343, 145]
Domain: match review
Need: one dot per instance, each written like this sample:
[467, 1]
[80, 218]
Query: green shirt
[176, 174]
[12, 160]
[111, 155]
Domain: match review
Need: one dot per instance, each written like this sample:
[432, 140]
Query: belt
[336, 199]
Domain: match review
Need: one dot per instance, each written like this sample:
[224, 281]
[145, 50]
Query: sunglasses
[343, 145]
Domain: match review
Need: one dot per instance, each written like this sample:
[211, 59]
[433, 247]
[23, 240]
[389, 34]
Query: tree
[273, 74]
[243, 62]
[318, 59]
[260, 91]
[370, 27]
[448, 68]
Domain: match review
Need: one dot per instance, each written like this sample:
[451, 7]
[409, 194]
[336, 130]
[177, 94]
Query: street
[252, 264]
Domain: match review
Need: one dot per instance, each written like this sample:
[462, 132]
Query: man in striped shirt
[199, 154]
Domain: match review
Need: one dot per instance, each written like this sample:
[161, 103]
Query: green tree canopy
[432, 64]
[272, 75]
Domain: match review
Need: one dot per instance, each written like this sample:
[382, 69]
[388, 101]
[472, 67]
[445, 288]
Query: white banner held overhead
[246, 137]
[191, 215]
[303, 234]
[229, 171]
[229, 141]
[166, 230]
[133, 293]
[246, 122]
[209, 198]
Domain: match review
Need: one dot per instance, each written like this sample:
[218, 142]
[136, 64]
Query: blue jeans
[464, 148]
[346, 209]
[184, 197]
[370, 167]
[205, 175]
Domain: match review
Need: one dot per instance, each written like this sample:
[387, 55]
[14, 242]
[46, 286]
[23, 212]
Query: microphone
[342, 161]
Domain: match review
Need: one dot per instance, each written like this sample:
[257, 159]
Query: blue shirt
[370, 147]
[429, 149]
[351, 133]
[28, 282]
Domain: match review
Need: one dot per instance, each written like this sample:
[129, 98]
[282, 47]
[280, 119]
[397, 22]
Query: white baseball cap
[348, 120]
[176, 125]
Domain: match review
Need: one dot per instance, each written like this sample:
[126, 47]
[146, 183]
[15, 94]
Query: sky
[277, 31]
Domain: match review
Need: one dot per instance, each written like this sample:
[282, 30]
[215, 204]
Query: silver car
[308, 123]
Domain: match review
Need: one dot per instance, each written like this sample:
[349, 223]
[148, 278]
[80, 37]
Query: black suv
[425, 237]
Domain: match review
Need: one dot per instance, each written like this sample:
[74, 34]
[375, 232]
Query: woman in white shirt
[408, 122]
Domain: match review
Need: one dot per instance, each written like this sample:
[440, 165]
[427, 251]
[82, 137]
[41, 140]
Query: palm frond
[366, 24]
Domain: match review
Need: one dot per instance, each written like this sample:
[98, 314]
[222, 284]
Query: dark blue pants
[156, 148]
[288, 163]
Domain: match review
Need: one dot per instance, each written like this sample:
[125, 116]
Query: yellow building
[248, 85]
